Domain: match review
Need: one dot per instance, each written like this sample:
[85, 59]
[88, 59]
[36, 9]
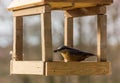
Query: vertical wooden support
[68, 31]
[46, 36]
[102, 37]
[18, 39]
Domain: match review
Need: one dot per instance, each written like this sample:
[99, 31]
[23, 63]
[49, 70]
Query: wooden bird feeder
[72, 8]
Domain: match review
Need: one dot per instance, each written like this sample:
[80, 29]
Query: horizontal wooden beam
[60, 68]
[85, 11]
[77, 5]
[32, 11]
[77, 68]
[84, 1]
[21, 4]
[27, 67]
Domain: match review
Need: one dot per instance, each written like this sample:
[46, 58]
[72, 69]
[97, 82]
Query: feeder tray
[71, 8]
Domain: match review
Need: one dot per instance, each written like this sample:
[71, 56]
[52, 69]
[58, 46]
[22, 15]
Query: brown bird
[72, 54]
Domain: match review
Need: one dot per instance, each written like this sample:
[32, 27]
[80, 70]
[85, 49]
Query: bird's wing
[79, 52]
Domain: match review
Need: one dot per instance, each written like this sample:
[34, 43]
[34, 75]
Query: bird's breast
[68, 57]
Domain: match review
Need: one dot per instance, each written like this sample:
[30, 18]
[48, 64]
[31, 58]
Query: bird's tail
[90, 54]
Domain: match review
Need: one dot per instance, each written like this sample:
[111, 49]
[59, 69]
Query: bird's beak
[55, 50]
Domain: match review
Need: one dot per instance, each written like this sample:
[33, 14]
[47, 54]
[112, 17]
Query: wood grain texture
[83, 1]
[102, 37]
[27, 67]
[86, 11]
[32, 11]
[77, 68]
[18, 39]
[68, 31]
[46, 36]
[20, 4]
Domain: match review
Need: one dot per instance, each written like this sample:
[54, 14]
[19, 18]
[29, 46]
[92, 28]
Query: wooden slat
[86, 11]
[20, 4]
[77, 68]
[60, 5]
[76, 5]
[18, 39]
[83, 1]
[32, 11]
[27, 67]
[68, 31]
[46, 36]
[102, 37]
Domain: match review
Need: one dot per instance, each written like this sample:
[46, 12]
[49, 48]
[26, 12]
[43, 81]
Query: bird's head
[61, 49]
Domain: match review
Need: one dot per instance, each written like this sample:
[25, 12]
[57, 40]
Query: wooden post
[46, 36]
[18, 39]
[68, 31]
[102, 37]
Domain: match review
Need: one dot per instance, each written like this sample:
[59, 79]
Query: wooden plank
[86, 11]
[27, 67]
[18, 39]
[77, 68]
[76, 5]
[46, 36]
[20, 4]
[60, 5]
[32, 11]
[82, 1]
[102, 37]
[68, 31]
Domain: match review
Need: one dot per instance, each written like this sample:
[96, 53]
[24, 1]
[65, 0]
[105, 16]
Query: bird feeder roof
[57, 4]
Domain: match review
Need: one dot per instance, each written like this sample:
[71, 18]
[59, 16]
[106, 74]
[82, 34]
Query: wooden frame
[45, 34]
[60, 68]
[47, 66]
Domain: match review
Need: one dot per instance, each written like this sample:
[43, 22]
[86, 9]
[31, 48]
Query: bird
[72, 54]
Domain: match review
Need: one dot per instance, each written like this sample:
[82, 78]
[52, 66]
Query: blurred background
[83, 27]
